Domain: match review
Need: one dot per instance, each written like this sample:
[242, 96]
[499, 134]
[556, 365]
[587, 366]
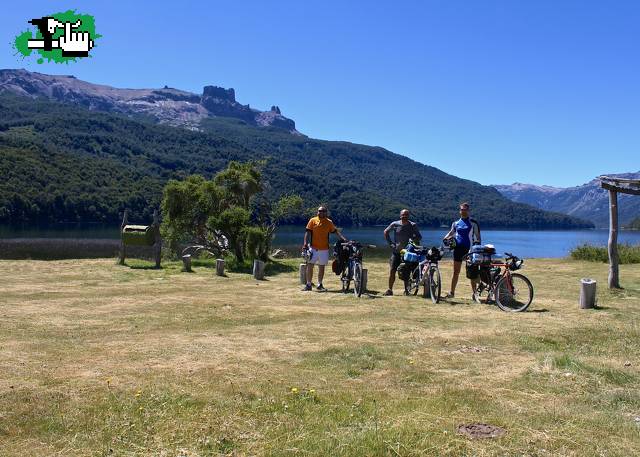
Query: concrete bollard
[258, 269]
[186, 262]
[587, 293]
[220, 267]
[302, 270]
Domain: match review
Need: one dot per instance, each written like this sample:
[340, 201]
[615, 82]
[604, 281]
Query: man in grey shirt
[403, 231]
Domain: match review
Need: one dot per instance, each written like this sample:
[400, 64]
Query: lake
[523, 243]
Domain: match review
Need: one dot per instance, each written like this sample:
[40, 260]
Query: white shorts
[319, 257]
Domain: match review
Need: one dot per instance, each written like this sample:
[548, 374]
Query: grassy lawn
[99, 359]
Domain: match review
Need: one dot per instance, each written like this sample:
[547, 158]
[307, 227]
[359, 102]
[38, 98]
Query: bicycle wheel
[514, 293]
[345, 282]
[357, 279]
[412, 285]
[435, 284]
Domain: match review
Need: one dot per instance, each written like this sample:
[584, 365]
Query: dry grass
[98, 359]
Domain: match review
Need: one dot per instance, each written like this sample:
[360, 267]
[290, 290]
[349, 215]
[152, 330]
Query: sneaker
[306, 288]
[475, 297]
[450, 295]
[388, 293]
[321, 288]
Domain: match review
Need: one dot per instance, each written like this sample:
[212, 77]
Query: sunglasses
[323, 211]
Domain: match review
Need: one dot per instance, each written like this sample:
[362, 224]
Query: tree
[228, 212]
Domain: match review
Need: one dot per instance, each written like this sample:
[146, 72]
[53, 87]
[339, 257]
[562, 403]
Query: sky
[542, 92]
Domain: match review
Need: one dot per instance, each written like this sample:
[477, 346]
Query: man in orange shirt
[319, 228]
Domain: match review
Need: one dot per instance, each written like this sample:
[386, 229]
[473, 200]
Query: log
[365, 275]
[220, 267]
[587, 293]
[186, 262]
[614, 281]
[258, 269]
[302, 270]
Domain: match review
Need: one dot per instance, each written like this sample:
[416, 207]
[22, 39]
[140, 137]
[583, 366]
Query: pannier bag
[411, 257]
[479, 254]
[341, 254]
[472, 270]
[405, 269]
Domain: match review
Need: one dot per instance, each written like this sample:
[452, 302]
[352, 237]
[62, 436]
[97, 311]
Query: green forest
[64, 163]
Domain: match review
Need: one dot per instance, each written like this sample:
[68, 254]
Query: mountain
[166, 106]
[69, 159]
[588, 201]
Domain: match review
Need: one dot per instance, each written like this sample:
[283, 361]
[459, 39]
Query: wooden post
[186, 262]
[587, 293]
[614, 282]
[123, 252]
[365, 275]
[220, 267]
[302, 271]
[258, 269]
[157, 246]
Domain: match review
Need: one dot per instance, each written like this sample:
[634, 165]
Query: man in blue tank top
[466, 232]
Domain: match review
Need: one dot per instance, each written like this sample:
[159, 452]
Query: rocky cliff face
[167, 106]
[588, 201]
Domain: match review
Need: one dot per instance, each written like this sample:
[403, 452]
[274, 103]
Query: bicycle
[511, 291]
[352, 267]
[426, 273]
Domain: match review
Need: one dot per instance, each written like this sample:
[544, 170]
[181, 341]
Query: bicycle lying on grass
[426, 273]
[348, 264]
[511, 291]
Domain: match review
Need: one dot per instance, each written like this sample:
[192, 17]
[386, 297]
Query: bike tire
[435, 285]
[414, 281]
[345, 283]
[357, 279]
[515, 295]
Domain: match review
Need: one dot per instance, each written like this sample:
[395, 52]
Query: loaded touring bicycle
[509, 290]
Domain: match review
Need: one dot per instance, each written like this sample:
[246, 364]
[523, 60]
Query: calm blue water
[523, 243]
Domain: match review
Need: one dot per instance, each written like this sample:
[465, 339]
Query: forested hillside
[62, 162]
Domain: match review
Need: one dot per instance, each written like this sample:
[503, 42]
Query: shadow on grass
[143, 267]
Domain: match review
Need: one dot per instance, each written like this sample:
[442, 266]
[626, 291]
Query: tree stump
[365, 275]
[302, 270]
[258, 269]
[220, 267]
[587, 293]
[186, 262]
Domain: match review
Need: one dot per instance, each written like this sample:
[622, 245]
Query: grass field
[99, 359]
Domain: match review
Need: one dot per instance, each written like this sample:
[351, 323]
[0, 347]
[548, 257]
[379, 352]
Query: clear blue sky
[546, 92]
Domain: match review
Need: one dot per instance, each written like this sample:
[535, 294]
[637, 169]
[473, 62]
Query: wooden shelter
[615, 185]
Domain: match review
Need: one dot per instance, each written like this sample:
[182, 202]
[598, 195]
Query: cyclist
[318, 229]
[466, 232]
[403, 231]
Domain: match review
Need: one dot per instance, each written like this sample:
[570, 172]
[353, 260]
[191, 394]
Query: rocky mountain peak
[166, 105]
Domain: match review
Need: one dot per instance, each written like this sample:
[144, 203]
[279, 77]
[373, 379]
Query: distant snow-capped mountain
[588, 201]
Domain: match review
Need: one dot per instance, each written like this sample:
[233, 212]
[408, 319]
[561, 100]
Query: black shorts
[395, 260]
[459, 252]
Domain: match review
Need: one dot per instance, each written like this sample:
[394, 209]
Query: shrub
[627, 253]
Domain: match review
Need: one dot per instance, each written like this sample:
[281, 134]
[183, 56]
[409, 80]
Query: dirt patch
[468, 349]
[480, 431]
